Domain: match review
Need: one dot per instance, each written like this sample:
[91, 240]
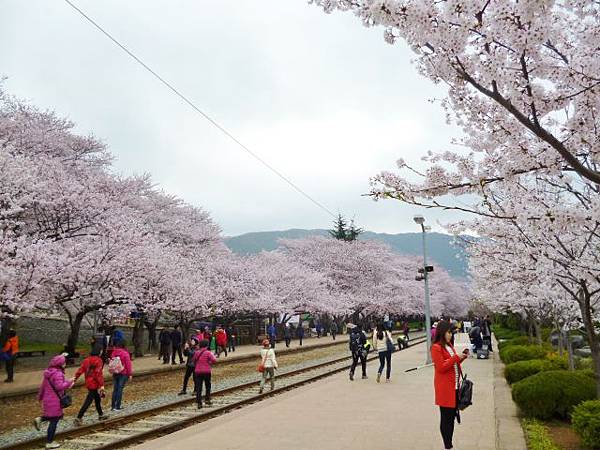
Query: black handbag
[465, 394]
[65, 400]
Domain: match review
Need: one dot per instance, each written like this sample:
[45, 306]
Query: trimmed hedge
[553, 393]
[505, 333]
[521, 340]
[522, 369]
[514, 353]
[586, 422]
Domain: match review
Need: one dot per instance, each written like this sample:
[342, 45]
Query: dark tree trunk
[538, 331]
[75, 324]
[138, 338]
[588, 322]
[151, 326]
[7, 324]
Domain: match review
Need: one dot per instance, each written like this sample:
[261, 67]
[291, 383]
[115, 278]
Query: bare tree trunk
[75, 324]
[569, 350]
[151, 326]
[538, 331]
[588, 322]
[138, 338]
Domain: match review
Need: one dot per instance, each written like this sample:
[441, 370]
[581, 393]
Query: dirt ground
[564, 436]
[18, 412]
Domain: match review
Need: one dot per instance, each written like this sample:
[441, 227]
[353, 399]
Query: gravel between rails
[18, 413]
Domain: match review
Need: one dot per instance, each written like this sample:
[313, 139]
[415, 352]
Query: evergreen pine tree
[353, 232]
[339, 228]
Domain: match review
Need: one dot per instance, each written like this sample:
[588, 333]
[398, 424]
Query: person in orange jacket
[9, 351]
[447, 364]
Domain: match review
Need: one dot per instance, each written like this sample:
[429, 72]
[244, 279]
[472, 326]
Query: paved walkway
[27, 382]
[336, 413]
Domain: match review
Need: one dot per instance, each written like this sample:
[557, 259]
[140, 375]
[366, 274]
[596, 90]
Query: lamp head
[419, 220]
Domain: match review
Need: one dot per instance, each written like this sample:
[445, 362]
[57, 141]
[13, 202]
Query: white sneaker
[53, 445]
[37, 423]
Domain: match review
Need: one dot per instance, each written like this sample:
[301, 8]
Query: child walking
[91, 368]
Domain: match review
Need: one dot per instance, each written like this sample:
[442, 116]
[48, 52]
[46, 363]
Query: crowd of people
[201, 350]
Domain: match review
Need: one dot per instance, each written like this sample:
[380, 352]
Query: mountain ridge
[440, 249]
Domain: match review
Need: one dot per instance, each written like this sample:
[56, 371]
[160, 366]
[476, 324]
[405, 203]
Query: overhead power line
[198, 110]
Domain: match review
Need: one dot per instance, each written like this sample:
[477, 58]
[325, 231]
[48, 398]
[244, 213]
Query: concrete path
[339, 414]
[28, 382]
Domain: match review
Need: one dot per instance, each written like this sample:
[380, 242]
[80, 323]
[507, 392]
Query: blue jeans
[385, 357]
[119, 381]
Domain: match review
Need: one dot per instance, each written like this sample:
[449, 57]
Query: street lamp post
[420, 220]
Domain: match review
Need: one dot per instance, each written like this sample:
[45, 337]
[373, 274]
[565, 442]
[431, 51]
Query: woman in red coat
[446, 377]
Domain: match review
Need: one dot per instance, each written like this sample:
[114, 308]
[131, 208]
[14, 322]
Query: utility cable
[198, 110]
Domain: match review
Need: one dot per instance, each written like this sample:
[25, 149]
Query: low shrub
[521, 340]
[505, 333]
[537, 436]
[586, 422]
[522, 369]
[558, 362]
[584, 363]
[553, 393]
[514, 353]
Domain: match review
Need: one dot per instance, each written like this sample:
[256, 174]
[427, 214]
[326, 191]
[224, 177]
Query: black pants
[165, 351]
[200, 378]
[189, 372]
[10, 368]
[447, 416]
[176, 350]
[52, 424]
[300, 338]
[333, 333]
[272, 339]
[221, 348]
[385, 357]
[287, 341]
[231, 344]
[92, 395]
[363, 362]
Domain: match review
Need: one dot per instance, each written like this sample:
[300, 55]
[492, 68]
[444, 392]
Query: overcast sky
[321, 98]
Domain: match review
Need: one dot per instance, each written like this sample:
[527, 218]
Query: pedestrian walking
[487, 332]
[230, 339]
[9, 355]
[176, 339]
[120, 368]
[164, 340]
[334, 330]
[287, 335]
[207, 334]
[91, 368]
[406, 330]
[384, 345]
[300, 333]
[318, 329]
[269, 364]
[357, 347]
[272, 334]
[221, 340]
[203, 362]
[189, 351]
[447, 374]
[52, 390]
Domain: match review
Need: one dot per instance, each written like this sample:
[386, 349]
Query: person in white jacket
[384, 345]
[267, 355]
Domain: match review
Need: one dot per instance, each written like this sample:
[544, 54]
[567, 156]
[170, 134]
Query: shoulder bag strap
[53, 388]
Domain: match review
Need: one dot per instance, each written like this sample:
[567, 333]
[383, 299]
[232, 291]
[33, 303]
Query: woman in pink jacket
[203, 362]
[52, 389]
[121, 375]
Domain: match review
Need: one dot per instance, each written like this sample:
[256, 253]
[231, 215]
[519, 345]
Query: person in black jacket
[176, 345]
[189, 351]
[164, 338]
[357, 347]
[300, 333]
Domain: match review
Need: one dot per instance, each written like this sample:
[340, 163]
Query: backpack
[465, 393]
[115, 366]
[355, 342]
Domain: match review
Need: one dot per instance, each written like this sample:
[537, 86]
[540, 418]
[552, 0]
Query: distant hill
[439, 247]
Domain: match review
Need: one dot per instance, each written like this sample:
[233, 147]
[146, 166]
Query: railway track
[124, 431]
